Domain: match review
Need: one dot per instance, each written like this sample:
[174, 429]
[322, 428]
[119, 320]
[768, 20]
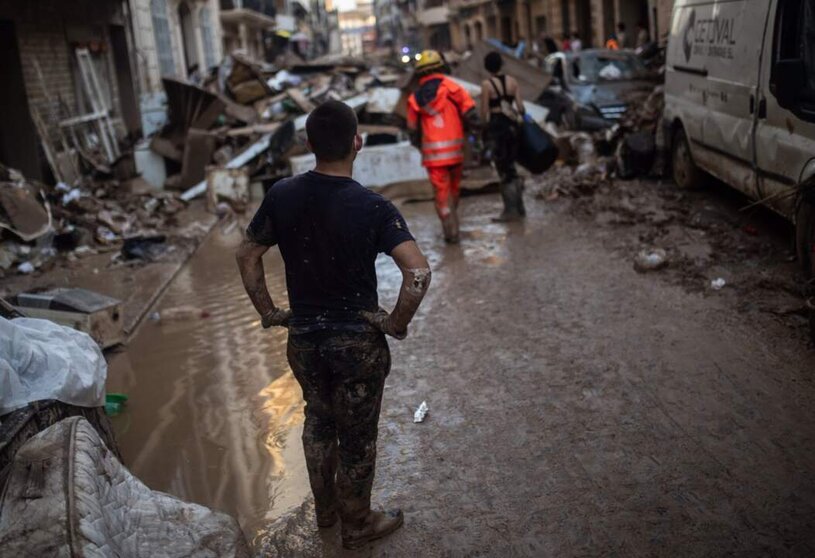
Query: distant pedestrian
[546, 44]
[612, 43]
[643, 38]
[565, 43]
[577, 44]
[330, 229]
[502, 108]
[622, 36]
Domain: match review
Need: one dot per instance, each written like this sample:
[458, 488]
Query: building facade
[41, 76]
[247, 26]
[458, 24]
[397, 26]
[173, 36]
[358, 28]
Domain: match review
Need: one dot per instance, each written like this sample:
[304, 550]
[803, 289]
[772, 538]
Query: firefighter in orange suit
[436, 114]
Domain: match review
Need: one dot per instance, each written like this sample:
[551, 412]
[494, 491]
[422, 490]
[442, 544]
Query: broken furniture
[229, 184]
[97, 315]
[379, 165]
[273, 143]
[98, 118]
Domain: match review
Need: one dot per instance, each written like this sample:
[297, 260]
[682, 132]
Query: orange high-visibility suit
[437, 108]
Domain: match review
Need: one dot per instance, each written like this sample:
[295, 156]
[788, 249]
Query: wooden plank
[81, 119]
[266, 128]
[47, 147]
[300, 99]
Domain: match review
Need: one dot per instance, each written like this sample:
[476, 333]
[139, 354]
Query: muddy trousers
[342, 376]
[446, 181]
[502, 139]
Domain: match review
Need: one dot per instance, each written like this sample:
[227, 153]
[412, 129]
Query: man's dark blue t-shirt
[329, 230]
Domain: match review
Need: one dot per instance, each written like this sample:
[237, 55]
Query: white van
[740, 103]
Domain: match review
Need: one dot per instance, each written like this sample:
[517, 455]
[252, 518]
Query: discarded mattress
[378, 165]
[68, 495]
[43, 360]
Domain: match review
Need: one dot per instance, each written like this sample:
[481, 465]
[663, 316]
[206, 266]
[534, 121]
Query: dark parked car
[604, 80]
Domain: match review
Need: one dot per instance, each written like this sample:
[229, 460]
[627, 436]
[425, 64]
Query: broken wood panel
[198, 151]
[300, 99]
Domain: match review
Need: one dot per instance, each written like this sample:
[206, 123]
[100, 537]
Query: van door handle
[762, 106]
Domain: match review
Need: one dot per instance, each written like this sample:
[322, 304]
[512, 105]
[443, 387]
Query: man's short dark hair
[621, 26]
[330, 129]
[493, 62]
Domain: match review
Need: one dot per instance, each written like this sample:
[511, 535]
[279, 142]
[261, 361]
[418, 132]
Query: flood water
[215, 415]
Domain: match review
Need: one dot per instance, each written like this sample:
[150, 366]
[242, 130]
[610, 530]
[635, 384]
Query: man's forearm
[254, 281]
[414, 286]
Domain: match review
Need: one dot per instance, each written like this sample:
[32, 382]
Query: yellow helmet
[429, 60]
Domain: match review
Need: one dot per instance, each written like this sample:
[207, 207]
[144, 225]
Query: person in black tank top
[501, 138]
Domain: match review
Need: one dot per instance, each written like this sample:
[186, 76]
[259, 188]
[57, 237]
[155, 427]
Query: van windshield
[594, 67]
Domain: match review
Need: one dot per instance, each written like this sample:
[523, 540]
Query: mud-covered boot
[326, 516]
[450, 227]
[509, 194]
[520, 197]
[375, 526]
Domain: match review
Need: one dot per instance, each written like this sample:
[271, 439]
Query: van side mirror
[787, 81]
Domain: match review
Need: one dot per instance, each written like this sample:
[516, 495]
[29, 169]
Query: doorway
[19, 145]
[506, 30]
[583, 13]
[608, 19]
[188, 37]
[566, 19]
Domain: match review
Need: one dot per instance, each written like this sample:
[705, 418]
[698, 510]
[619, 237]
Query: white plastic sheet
[43, 360]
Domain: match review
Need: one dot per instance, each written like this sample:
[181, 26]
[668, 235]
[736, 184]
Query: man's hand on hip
[277, 317]
[382, 321]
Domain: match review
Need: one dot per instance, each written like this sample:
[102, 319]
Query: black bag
[537, 151]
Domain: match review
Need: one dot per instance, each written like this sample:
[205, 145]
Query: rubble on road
[43, 226]
[249, 118]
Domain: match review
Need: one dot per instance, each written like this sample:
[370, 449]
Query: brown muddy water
[215, 415]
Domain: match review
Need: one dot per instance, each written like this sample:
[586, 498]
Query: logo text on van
[714, 36]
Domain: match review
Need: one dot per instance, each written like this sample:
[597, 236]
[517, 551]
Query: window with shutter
[161, 30]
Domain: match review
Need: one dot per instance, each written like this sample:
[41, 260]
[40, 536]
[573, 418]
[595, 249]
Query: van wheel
[686, 174]
[805, 238]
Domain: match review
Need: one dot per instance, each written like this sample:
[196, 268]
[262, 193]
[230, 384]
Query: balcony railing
[265, 7]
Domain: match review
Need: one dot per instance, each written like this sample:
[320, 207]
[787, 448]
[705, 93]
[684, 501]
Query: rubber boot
[375, 526]
[326, 516]
[450, 227]
[520, 189]
[510, 194]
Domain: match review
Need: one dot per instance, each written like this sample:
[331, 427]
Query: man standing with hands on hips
[329, 230]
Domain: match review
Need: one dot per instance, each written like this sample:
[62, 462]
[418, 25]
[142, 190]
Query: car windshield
[594, 67]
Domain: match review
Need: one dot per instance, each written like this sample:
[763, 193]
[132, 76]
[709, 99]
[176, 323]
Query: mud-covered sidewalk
[577, 407]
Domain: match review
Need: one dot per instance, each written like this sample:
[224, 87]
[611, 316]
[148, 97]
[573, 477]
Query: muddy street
[577, 407]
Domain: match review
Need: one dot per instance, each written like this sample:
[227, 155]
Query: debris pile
[239, 127]
[42, 225]
[627, 149]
